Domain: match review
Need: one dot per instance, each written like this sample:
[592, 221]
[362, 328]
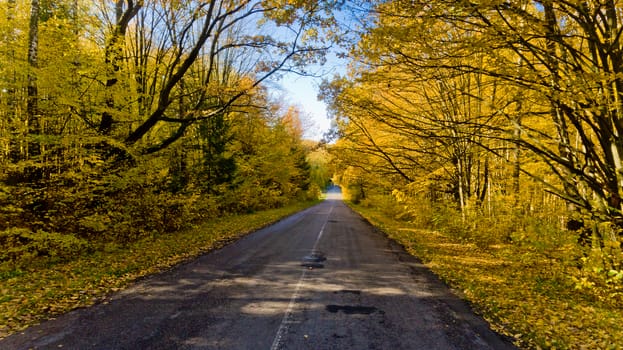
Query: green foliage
[20, 245]
[215, 166]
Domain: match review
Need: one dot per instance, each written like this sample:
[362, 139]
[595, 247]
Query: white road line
[286, 320]
[322, 229]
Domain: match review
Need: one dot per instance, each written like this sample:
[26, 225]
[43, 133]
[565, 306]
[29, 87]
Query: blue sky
[302, 91]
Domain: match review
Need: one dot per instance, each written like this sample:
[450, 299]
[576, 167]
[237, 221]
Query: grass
[45, 289]
[525, 293]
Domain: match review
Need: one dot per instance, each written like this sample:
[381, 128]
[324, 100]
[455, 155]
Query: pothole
[348, 291]
[351, 309]
[313, 265]
[314, 260]
[315, 256]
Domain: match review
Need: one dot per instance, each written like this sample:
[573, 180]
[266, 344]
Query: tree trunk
[564, 145]
[13, 152]
[460, 188]
[114, 55]
[485, 184]
[516, 158]
[33, 118]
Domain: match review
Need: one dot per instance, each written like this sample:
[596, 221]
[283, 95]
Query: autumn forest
[493, 127]
[130, 118]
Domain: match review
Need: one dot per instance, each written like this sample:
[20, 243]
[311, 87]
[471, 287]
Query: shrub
[19, 244]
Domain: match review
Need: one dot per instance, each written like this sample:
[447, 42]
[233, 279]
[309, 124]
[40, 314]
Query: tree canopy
[121, 119]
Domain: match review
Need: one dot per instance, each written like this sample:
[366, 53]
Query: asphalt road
[320, 279]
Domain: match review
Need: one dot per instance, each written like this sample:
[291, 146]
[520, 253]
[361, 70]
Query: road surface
[320, 279]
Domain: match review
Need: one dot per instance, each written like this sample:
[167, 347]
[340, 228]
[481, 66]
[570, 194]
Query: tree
[218, 166]
[571, 53]
[432, 128]
[141, 106]
[32, 111]
[562, 56]
[9, 83]
[207, 27]
[114, 55]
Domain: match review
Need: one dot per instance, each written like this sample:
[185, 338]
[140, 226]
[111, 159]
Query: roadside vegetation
[530, 289]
